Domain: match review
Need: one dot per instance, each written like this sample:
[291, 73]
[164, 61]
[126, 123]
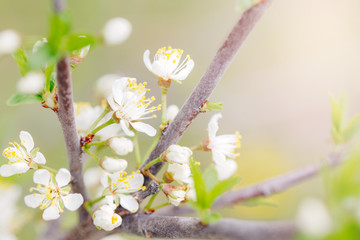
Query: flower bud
[171, 112]
[175, 194]
[31, 83]
[112, 165]
[9, 41]
[121, 145]
[116, 31]
[104, 85]
[177, 154]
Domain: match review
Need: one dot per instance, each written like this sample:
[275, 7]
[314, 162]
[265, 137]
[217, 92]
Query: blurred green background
[275, 93]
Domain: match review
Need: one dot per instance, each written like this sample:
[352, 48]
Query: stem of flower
[163, 107]
[196, 148]
[93, 155]
[161, 206]
[89, 204]
[100, 143]
[109, 122]
[148, 173]
[155, 161]
[148, 205]
[47, 168]
[137, 150]
[98, 120]
[151, 147]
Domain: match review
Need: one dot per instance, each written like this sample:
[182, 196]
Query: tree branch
[269, 187]
[208, 82]
[66, 117]
[187, 227]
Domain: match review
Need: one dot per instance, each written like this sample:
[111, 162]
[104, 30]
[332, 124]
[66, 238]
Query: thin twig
[267, 188]
[208, 82]
[66, 117]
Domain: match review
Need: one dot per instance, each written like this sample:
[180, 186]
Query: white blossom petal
[182, 75]
[39, 158]
[226, 170]
[143, 127]
[129, 202]
[146, 59]
[27, 140]
[42, 176]
[7, 170]
[33, 200]
[213, 125]
[121, 145]
[126, 129]
[114, 165]
[51, 213]
[73, 201]
[63, 177]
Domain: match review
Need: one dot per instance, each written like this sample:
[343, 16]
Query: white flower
[104, 85]
[113, 130]
[85, 116]
[176, 197]
[51, 195]
[9, 41]
[167, 64]
[191, 193]
[106, 218]
[10, 219]
[178, 154]
[180, 172]
[21, 156]
[223, 146]
[313, 218]
[31, 83]
[92, 177]
[226, 169]
[116, 31]
[112, 165]
[130, 105]
[171, 112]
[120, 185]
[121, 145]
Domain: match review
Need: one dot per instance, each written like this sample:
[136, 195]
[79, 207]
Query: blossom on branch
[9, 41]
[116, 31]
[105, 217]
[177, 154]
[22, 157]
[167, 64]
[129, 106]
[51, 195]
[119, 185]
[112, 165]
[121, 145]
[31, 83]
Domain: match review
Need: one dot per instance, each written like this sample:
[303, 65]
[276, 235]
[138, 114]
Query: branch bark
[66, 117]
[208, 82]
[264, 189]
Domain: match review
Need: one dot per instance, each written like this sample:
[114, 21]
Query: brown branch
[264, 189]
[66, 117]
[208, 82]
[187, 227]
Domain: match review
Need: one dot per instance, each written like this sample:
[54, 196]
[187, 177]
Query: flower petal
[42, 176]
[126, 129]
[33, 200]
[112, 103]
[27, 140]
[184, 72]
[73, 201]
[226, 169]
[143, 127]
[39, 158]
[63, 177]
[129, 202]
[51, 213]
[146, 59]
[15, 168]
[213, 125]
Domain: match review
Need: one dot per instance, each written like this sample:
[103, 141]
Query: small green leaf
[43, 56]
[79, 41]
[21, 60]
[210, 177]
[337, 110]
[221, 188]
[59, 27]
[199, 185]
[351, 128]
[20, 98]
[209, 106]
[49, 75]
[337, 138]
[211, 218]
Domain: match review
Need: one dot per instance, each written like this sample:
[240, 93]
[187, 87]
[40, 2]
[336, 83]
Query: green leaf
[351, 128]
[337, 138]
[79, 41]
[243, 5]
[199, 185]
[20, 98]
[210, 177]
[337, 110]
[209, 106]
[211, 218]
[43, 56]
[59, 27]
[21, 60]
[221, 188]
[50, 75]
